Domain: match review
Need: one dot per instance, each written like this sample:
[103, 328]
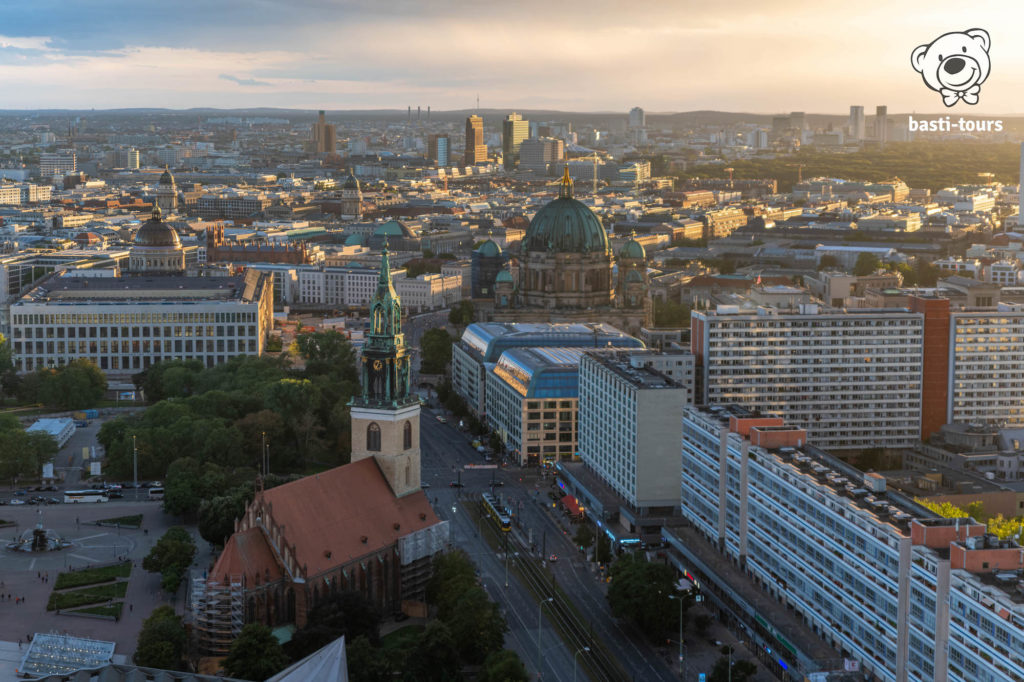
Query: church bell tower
[386, 415]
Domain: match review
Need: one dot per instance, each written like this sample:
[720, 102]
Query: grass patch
[93, 576]
[402, 638]
[133, 521]
[90, 595]
[112, 610]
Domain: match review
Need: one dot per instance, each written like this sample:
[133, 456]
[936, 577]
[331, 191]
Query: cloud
[245, 81]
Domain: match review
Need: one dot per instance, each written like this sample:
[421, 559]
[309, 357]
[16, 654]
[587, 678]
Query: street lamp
[679, 598]
[575, 660]
[540, 609]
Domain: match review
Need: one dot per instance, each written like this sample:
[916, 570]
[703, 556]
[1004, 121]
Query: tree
[188, 482]
[327, 352]
[366, 663]
[349, 614]
[701, 623]
[462, 313]
[671, 314]
[23, 453]
[8, 376]
[946, 510]
[79, 384]
[436, 345]
[741, 670]
[866, 264]
[161, 641]
[453, 575]
[435, 656]
[296, 400]
[828, 262]
[255, 654]
[170, 557]
[217, 514]
[503, 666]
[477, 626]
[1005, 529]
[639, 592]
[584, 536]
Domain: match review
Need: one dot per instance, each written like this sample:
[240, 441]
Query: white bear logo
[955, 64]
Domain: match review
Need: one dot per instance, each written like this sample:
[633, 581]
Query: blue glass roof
[491, 339]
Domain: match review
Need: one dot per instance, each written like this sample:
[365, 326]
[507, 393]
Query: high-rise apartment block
[323, 136]
[898, 592]
[438, 150]
[476, 150]
[629, 425]
[57, 163]
[852, 379]
[514, 129]
[856, 125]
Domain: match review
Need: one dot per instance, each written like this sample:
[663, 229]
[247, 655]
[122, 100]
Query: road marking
[90, 537]
[32, 565]
[83, 558]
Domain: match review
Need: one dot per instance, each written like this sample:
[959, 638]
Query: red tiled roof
[248, 553]
[331, 513]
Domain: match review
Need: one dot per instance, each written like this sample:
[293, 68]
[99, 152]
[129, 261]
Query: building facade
[903, 594]
[514, 129]
[852, 378]
[476, 150]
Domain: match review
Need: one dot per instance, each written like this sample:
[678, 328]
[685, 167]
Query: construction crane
[799, 171]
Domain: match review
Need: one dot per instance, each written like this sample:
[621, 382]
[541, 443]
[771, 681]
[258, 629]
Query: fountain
[39, 539]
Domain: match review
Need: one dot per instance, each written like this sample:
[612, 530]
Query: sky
[764, 56]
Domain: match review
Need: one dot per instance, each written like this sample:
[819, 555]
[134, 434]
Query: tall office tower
[637, 118]
[324, 141]
[53, 163]
[538, 153]
[127, 157]
[882, 124]
[513, 131]
[798, 120]
[438, 150]
[476, 150]
[857, 122]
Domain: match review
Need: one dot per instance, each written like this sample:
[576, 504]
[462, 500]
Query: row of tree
[23, 453]
[228, 413]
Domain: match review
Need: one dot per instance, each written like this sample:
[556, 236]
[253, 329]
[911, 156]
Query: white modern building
[851, 378]
[126, 324]
[630, 417]
[903, 595]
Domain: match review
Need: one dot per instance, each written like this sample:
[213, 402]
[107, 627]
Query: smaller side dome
[633, 249]
[166, 178]
[354, 240]
[489, 249]
[350, 182]
[503, 276]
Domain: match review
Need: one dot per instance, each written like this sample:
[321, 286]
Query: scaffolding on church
[218, 612]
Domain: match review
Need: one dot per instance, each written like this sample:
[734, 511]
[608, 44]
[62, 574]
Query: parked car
[114, 495]
[17, 501]
[441, 418]
[455, 484]
[53, 500]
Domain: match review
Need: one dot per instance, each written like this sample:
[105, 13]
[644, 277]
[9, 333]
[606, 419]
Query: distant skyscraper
[637, 118]
[438, 150]
[513, 131]
[798, 120]
[324, 141]
[882, 124]
[538, 153]
[1020, 210]
[857, 128]
[62, 162]
[476, 150]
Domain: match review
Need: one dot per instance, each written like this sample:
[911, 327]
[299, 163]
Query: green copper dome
[489, 249]
[503, 276]
[633, 249]
[565, 225]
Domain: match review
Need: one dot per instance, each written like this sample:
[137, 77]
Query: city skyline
[595, 57]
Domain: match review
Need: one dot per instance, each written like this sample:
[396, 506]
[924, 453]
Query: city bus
[156, 493]
[76, 496]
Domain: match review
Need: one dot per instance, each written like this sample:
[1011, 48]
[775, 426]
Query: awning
[570, 503]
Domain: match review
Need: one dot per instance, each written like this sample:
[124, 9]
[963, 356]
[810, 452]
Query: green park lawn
[89, 595]
[93, 576]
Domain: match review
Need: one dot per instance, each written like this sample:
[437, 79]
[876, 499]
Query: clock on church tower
[386, 414]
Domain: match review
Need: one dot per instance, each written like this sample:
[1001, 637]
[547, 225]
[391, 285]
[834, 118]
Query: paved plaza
[91, 545]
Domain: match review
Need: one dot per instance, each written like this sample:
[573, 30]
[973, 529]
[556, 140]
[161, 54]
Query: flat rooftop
[68, 289]
[639, 376]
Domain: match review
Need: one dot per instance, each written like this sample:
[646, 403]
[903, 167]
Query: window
[407, 435]
[373, 437]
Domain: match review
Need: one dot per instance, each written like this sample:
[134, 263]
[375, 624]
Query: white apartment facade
[986, 366]
[908, 596]
[852, 379]
[630, 417]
